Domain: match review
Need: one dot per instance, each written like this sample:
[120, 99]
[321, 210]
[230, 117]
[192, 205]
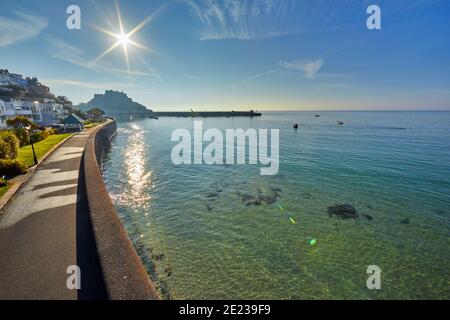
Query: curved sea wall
[124, 275]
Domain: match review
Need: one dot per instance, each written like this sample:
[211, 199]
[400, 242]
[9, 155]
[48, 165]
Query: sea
[228, 232]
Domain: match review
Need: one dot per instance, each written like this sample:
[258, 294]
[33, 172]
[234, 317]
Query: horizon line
[337, 110]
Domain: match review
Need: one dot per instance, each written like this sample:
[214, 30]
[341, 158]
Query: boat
[340, 123]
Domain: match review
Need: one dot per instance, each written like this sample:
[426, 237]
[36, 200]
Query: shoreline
[125, 276]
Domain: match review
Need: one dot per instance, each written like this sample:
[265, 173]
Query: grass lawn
[41, 148]
[91, 125]
[4, 189]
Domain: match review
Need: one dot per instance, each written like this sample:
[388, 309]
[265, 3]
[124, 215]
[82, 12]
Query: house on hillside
[73, 123]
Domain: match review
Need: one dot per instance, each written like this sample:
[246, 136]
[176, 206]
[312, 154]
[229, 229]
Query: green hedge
[11, 168]
[9, 145]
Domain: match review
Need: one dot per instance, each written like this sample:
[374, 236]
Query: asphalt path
[46, 228]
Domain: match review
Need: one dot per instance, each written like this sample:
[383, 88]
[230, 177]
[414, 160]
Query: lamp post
[28, 128]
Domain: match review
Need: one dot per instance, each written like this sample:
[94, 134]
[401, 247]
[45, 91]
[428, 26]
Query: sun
[124, 38]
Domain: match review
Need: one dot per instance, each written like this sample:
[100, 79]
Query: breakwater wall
[124, 275]
[207, 114]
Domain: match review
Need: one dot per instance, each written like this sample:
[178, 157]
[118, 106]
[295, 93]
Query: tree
[79, 113]
[95, 113]
[64, 101]
[12, 90]
[19, 122]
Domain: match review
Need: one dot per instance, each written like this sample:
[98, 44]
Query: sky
[236, 54]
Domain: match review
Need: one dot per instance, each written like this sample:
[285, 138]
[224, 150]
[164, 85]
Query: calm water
[199, 239]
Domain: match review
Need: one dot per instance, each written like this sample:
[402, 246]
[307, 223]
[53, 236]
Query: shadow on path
[92, 283]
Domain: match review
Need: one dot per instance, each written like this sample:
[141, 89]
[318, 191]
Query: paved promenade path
[46, 228]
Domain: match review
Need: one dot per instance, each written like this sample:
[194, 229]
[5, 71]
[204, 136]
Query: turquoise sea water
[199, 238]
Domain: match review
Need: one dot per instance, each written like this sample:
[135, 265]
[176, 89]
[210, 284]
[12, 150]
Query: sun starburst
[124, 38]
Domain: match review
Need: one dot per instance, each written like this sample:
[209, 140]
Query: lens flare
[124, 38]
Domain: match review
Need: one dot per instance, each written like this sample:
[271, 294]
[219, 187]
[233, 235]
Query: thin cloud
[20, 28]
[76, 56]
[87, 84]
[254, 77]
[260, 19]
[63, 51]
[309, 68]
[241, 19]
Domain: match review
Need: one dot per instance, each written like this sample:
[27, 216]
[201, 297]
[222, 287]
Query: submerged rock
[246, 197]
[368, 217]
[269, 199]
[255, 203]
[343, 211]
[212, 195]
[263, 196]
[405, 221]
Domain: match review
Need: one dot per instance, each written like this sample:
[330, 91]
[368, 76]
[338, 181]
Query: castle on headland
[29, 98]
[116, 104]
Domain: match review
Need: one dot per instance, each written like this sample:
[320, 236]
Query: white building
[44, 112]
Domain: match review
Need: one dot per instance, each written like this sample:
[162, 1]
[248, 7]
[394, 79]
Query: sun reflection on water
[138, 177]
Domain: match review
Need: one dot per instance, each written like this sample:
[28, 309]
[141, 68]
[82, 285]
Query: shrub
[9, 145]
[38, 136]
[3, 182]
[35, 137]
[19, 122]
[11, 168]
[41, 135]
[22, 135]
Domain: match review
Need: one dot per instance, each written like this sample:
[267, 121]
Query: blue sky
[230, 54]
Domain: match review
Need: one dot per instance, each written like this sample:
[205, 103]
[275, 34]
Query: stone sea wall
[124, 274]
